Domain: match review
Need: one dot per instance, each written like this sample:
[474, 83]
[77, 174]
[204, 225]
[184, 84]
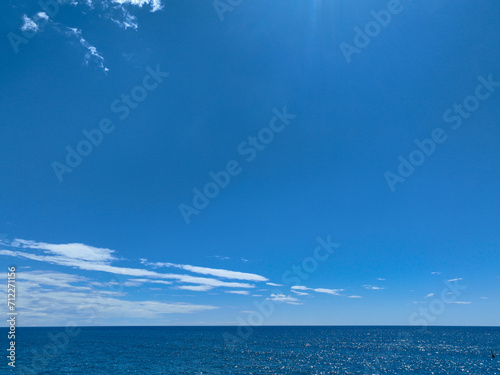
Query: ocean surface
[264, 350]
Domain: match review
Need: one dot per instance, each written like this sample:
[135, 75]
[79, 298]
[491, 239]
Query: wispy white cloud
[71, 250]
[132, 283]
[462, 302]
[138, 282]
[76, 307]
[273, 284]
[153, 281]
[334, 292]
[300, 287]
[92, 54]
[284, 298]
[242, 292]
[435, 273]
[372, 287]
[226, 274]
[429, 295]
[35, 23]
[453, 280]
[220, 257]
[380, 279]
[300, 293]
[354, 297]
[52, 279]
[123, 18]
[154, 4]
[29, 24]
[196, 288]
[42, 15]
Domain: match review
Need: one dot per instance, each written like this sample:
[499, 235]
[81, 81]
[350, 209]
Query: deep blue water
[267, 350]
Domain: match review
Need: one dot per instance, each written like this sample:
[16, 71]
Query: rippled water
[268, 350]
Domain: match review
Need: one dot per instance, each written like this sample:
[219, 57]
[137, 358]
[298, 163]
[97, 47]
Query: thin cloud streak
[334, 292]
[70, 250]
[226, 274]
[284, 298]
[371, 287]
[242, 292]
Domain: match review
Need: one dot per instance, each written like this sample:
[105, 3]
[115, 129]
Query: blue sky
[108, 234]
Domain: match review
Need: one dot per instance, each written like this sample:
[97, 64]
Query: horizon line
[275, 325]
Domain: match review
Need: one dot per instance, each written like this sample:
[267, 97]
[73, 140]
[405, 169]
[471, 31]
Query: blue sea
[265, 350]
